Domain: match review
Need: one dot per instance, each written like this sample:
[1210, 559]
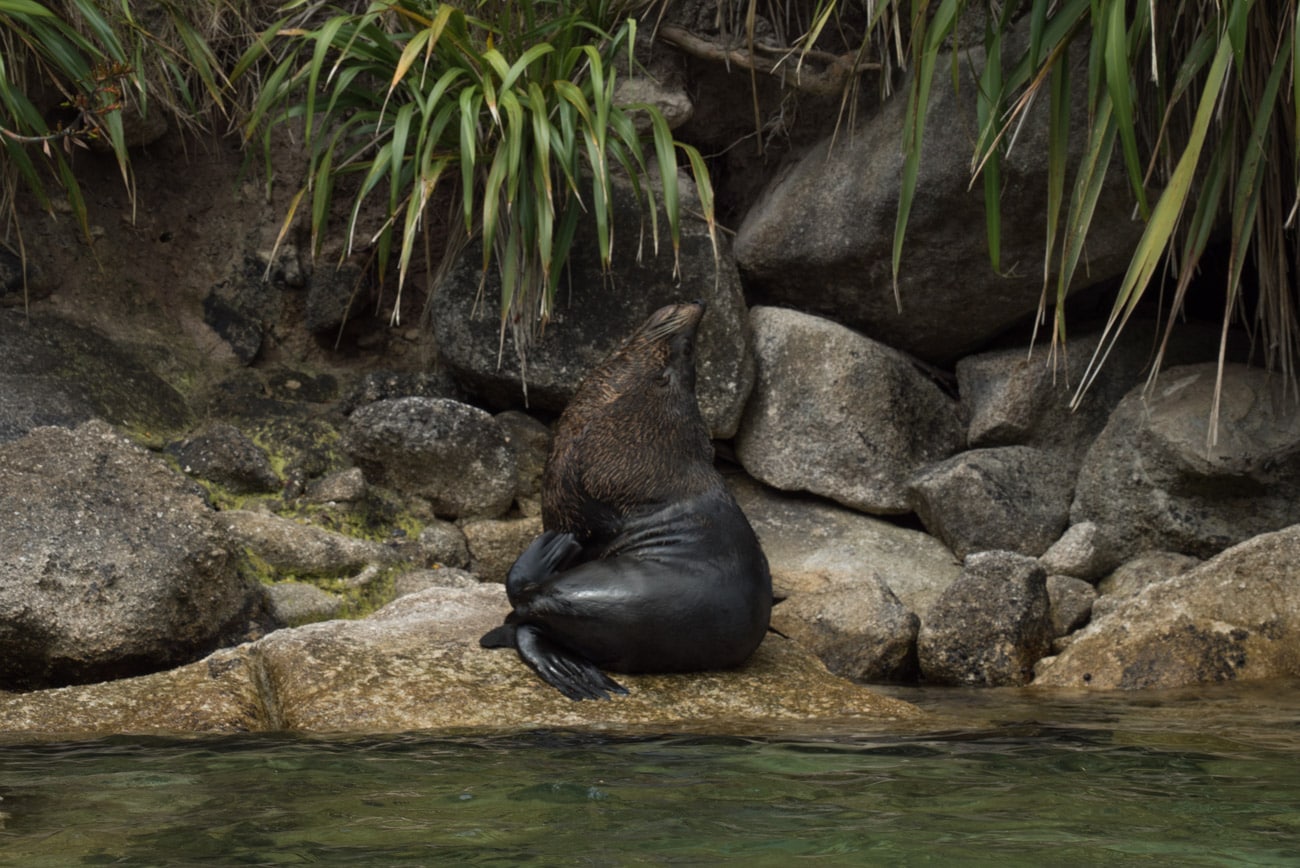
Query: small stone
[1071, 603]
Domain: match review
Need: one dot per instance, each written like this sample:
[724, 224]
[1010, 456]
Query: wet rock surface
[416, 665]
[1235, 617]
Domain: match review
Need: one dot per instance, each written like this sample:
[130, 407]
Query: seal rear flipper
[568, 673]
[499, 637]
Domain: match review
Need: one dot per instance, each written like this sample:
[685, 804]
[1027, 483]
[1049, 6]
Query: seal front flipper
[550, 553]
[568, 673]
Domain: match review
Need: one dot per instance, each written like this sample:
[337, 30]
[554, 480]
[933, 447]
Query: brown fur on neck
[632, 437]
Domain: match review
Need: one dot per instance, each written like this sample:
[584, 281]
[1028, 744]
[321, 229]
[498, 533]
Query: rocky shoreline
[1040, 561]
[212, 455]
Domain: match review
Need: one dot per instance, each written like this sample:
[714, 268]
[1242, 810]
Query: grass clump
[71, 70]
[509, 105]
[1196, 102]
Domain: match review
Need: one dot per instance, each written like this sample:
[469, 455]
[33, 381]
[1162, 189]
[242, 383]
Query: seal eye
[665, 378]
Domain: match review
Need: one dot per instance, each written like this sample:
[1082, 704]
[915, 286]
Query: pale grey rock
[1071, 602]
[443, 544]
[990, 626]
[1234, 617]
[450, 454]
[1151, 482]
[342, 486]
[660, 82]
[414, 581]
[495, 544]
[292, 604]
[595, 311]
[1082, 552]
[1012, 498]
[816, 547]
[1132, 577]
[111, 563]
[530, 441]
[861, 632]
[388, 385]
[302, 549]
[839, 415]
[1026, 396]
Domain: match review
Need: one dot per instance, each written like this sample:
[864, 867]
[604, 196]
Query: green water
[992, 778]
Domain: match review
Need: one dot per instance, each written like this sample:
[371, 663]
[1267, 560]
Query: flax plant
[68, 69]
[510, 105]
[1196, 102]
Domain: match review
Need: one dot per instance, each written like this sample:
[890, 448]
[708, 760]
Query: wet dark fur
[646, 564]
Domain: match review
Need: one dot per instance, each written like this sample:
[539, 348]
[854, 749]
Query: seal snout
[673, 319]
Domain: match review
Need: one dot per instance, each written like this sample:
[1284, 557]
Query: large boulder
[451, 454]
[861, 632]
[990, 626]
[1026, 396]
[54, 372]
[593, 314]
[814, 548]
[111, 563]
[416, 664]
[1134, 576]
[1013, 498]
[1152, 481]
[1235, 617]
[840, 415]
[821, 237]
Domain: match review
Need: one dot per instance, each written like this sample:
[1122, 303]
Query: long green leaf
[935, 32]
[1164, 217]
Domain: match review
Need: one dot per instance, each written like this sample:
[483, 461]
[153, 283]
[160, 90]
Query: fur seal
[646, 563]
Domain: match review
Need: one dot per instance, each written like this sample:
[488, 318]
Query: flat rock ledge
[416, 665]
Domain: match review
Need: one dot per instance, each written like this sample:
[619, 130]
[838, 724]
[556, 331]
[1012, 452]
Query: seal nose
[673, 319]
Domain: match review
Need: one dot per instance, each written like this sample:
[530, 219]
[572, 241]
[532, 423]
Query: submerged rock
[416, 665]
